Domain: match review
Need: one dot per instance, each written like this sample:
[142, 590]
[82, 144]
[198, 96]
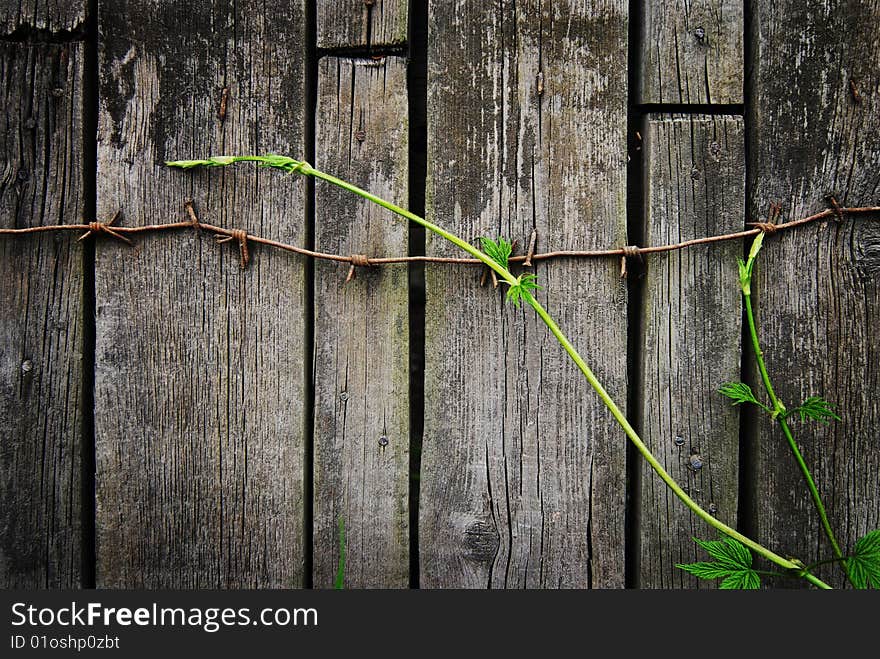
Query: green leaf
[340, 571]
[497, 251]
[815, 408]
[524, 283]
[733, 564]
[864, 564]
[280, 162]
[756, 246]
[738, 392]
[705, 570]
[745, 269]
[728, 552]
[743, 580]
[213, 161]
[745, 275]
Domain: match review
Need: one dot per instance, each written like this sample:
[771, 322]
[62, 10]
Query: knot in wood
[481, 541]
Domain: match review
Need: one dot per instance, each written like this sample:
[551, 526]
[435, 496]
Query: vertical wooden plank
[818, 288]
[41, 317]
[364, 23]
[523, 469]
[692, 52]
[199, 373]
[41, 15]
[361, 329]
[695, 187]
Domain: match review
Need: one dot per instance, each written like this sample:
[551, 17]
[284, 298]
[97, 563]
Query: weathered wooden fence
[170, 420]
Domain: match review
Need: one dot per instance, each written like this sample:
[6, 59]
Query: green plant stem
[455, 240]
[581, 364]
[308, 170]
[825, 562]
[649, 457]
[779, 415]
[584, 368]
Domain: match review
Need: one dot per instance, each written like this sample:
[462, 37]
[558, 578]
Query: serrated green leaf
[741, 580]
[738, 392]
[864, 564]
[497, 251]
[817, 409]
[728, 552]
[525, 282]
[704, 570]
[514, 295]
[733, 564]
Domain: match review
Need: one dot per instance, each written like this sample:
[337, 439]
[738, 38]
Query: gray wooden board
[361, 328]
[818, 287]
[41, 319]
[692, 313]
[692, 52]
[41, 15]
[199, 365]
[353, 23]
[523, 468]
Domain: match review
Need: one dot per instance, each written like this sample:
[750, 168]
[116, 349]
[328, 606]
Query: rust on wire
[533, 240]
[224, 100]
[239, 235]
[629, 252]
[94, 228]
[357, 261]
[193, 218]
[769, 227]
[836, 212]
[854, 91]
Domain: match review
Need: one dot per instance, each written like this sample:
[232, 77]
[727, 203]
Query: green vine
[733, 559]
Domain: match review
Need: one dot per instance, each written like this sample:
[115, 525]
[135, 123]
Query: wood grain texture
[361, 328]
[818, 289]
[692, 313]
[523, 478]
[692, 52]
[199, 365]
[41, 369]
[361, 23]
[53, 15]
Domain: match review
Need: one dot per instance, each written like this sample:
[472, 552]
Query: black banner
[229, 623]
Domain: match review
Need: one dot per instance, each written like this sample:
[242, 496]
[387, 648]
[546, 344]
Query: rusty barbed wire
[242, 238]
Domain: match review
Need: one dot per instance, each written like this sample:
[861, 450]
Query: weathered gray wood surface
[361, 328]
[41, 15]
[199, 378]
[695, 182]
[359, 23]
[692, 52]
[818, 288]
[523, 479]
[41, 318]
[202, 404]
